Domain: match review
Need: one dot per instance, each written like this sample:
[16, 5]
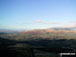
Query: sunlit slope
[41, 34]
[50, 34]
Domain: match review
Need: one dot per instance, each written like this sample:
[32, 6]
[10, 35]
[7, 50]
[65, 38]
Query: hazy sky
[37, 14]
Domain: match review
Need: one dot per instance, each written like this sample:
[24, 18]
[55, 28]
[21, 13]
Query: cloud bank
[39, 21]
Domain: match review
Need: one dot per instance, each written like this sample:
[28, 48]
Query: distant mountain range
[4, 31]
[54, 29]
[50, 30]
[60, 28]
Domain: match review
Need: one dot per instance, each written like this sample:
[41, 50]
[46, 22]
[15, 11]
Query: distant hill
[5, 31]
[60, 28]
[49, 34]
[51, 30]
[39, 34]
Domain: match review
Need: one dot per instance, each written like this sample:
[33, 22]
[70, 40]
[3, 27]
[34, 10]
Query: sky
[37, 14]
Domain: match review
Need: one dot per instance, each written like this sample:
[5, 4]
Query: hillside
[40, 34]
[51, 34]
[20, 44]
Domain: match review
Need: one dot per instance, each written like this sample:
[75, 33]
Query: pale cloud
[51, 23]
[72, 25]
[39, 21]
[67, 26]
